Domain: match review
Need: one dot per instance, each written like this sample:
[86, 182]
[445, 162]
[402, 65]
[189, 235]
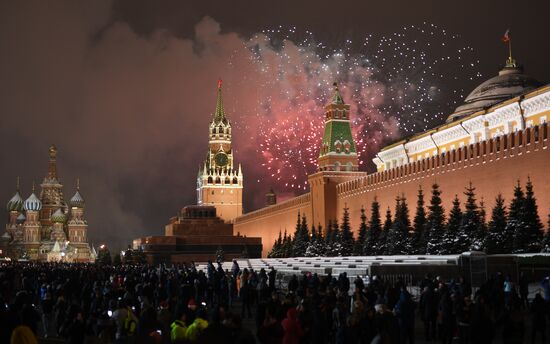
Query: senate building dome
[509, 82]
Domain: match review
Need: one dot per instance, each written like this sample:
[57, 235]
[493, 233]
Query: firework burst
[396, 85]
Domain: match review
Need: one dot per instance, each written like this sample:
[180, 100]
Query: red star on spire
[219, 83]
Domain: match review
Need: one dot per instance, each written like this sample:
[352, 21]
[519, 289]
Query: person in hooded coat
[292, 328]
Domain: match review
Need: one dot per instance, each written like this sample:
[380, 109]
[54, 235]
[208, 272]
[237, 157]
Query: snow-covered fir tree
[419, 240]
[435, 223]
[529, 238]
[398, 237]
[286, 250]
[329, 238]
[515, 222]
[498, 240]
[316, 245]
[310, 250]
[372, 243]
[346, 235]
[483, 216]
[277, 247]
[362, 235]
[452, 231]
[301, 237]
[470, 237]
[336, 246]
[382, 238]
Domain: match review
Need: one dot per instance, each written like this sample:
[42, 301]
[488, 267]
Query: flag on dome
[506, 37]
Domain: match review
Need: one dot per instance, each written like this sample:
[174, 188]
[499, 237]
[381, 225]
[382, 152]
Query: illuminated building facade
[219, 184]
[46, 228]
[497, 137]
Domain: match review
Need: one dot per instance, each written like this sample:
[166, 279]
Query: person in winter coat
[404, 311]
[292, 328]
[446, 320]
[198, 326]
[178, 328]
[428, 312]
[538, 316]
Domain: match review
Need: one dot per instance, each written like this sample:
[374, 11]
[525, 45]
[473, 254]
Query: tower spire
[78, 184]
[52, 164]
[219, 115]
[17, 184]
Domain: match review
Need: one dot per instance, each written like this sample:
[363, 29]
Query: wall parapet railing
[290, 203]
[504, 146]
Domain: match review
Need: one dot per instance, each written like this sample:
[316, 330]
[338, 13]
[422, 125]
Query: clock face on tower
[221, 159]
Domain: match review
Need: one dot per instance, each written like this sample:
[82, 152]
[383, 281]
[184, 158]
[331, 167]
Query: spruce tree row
[517, 229]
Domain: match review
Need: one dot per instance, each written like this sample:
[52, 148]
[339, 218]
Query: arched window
[347, 146]
[338, 146]
[337, 166]
[209, 180]
[235, 181]
[349, 166]
[227, 180]
[218, 180]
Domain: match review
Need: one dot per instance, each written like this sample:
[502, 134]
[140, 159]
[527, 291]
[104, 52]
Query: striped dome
[58, 216]
[15, 203]
[32, 203]
[77, 200]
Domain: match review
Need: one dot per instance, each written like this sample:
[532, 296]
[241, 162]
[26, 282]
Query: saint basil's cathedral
[47, 228]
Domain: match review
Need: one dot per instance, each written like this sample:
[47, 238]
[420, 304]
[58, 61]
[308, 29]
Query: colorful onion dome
[21, 218]
[32, 203]
[15, 203]
[77, 200]
[58, 216]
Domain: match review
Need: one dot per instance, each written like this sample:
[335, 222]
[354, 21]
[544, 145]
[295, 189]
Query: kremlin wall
[497, 137]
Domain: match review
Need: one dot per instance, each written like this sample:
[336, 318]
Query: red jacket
[292, 328]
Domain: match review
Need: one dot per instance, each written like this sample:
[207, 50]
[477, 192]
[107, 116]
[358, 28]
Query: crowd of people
[90, 303]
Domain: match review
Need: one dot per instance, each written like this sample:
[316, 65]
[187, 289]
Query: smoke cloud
[129, 112]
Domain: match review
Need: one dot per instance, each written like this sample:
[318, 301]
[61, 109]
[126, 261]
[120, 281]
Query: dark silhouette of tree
[452, 232]
[398, 236]
[435, 223]
[515, 222]
[301, 238]
[346, 235]
[419, 240]
[362, 235]
[471, 235]
[382, 240]
[529, 238]
[104, 256]
[373, 241]
[498, 240]
[276, 250]
[336, 242]
[287, 245]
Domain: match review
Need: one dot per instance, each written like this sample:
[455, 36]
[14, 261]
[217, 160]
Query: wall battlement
[503, 147]
[284, 206]
[493, 166]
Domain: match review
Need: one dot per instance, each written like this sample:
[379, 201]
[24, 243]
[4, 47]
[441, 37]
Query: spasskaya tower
[219, 184]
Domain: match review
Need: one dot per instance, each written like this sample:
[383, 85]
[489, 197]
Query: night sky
[126, 89]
